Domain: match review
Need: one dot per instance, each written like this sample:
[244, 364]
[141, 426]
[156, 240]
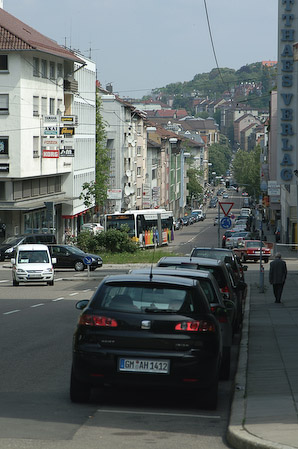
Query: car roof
[191, 260]
[178, 272]
[32, 246]
[145, 278]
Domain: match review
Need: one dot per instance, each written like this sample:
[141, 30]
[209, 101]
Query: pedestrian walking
[277, 276]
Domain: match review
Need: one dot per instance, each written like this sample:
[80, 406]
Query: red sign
[50, 154]
[226, 207]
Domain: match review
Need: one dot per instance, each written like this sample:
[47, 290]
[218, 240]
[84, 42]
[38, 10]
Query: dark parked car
[224, 309]
[8, 246]
[68, 256]
[147, 331]
[221, 273]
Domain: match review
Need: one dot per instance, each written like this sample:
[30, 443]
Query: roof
[16, 35]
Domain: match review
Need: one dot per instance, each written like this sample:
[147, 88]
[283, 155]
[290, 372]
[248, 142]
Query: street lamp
[183, 155]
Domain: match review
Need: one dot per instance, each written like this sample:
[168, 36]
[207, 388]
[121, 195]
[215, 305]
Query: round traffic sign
[87, 260]
[226, 222]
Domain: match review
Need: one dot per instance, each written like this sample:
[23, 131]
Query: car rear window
[145, 299]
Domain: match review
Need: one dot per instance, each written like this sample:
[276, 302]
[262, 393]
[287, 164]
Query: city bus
[143, 225]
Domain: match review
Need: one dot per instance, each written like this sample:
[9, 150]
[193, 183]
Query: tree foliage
[194, 187]
[96, 191]
[220, 156]
[246, 169]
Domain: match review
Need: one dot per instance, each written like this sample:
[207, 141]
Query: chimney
[109, 86]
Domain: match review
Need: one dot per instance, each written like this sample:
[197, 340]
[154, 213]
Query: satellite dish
[127, 190]
[133, 143]
[131, 190]
[128, 173]
[130, 139]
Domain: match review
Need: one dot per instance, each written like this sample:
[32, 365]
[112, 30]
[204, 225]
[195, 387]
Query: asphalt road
[37, 324]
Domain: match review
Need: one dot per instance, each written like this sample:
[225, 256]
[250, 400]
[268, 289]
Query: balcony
[70, 85]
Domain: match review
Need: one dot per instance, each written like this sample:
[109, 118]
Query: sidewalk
[264, 407]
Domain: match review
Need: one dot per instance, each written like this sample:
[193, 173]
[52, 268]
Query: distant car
[95, 228]
[244, 194]
[8, 246]
[199, 214]
[147, 331]
[225, 196]
[68, 256]
[225, 235]
[250, 250]
[236, 238]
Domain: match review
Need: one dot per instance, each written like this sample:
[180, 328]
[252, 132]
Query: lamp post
[183, 155]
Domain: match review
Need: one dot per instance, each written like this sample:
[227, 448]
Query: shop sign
[64, 131]
[46, 142]
[51, 119]
[67, 152]
[68, 120]
[66, 142]
[50, 154]
[114, 194]
[4, 168]
[50, 130]
[287, 92]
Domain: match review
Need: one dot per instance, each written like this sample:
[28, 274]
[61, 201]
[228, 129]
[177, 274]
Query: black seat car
[68, 256]
[220, 271]
[224, 309]
[162, 335]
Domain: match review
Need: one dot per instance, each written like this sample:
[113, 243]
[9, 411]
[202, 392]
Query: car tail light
[220, 318]
[225, 289]
[98, 321]
[195, 326]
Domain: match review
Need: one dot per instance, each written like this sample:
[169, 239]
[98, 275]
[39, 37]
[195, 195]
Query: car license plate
[144, 365]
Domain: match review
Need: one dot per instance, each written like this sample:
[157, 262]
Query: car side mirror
[54, 260]
[13, 261]
[244, 267]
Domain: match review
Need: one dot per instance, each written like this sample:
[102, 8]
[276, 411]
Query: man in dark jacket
[277, 275]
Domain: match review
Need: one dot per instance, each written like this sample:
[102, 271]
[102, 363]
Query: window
[44, 68]
[36, 67]
[52, 70]
[52, 106]
[139, 192]
[35, 146]
[44, 106]
[3, 63]
[59, 71]
[139, 150]
[139, 171]
[4, 103]
[3, 145]
[36, 106]
[59, 105]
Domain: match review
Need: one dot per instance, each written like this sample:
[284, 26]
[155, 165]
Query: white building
[39, 91]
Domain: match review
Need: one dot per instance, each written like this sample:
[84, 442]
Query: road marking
[12, 311]
[73, 294]
[181, 415]
[87, 290]
[58, 299]
[5, 280]
[37, 305]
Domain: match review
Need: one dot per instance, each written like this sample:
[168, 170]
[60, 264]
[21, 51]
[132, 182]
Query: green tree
[220, 156]
[194, 187]
[246, 168]
[96, 191]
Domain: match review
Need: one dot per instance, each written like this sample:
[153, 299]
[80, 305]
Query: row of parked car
[168, 326]
[195, 216]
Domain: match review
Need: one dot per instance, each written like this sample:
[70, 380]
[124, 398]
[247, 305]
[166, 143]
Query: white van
[32, 263]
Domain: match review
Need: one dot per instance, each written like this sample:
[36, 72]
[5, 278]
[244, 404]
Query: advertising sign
[50, 130]
[68, 120]
[67, 131]
[47, 142]
[50, 154]
[114, 194]
[67, 152]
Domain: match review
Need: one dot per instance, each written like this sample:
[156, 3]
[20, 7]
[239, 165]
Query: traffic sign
[87, 260]
[226, 207]
[226, 223]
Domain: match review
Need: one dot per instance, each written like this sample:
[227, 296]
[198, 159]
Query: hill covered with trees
[250, 84]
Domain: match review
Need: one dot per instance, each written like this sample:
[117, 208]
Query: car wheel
[15, 283]
[79, 265]
[79, 392]
[225, 364]
[208, 397]
[243, 258]
[266, 260]
[51, 282]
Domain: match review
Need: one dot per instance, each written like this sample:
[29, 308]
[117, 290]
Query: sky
[139, 45]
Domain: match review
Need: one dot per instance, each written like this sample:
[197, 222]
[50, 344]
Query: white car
[32, 263]
[95, 228]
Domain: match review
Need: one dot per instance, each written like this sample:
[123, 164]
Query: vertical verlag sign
[287, 92]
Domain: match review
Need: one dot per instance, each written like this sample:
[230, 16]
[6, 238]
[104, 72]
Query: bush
[115, 241]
